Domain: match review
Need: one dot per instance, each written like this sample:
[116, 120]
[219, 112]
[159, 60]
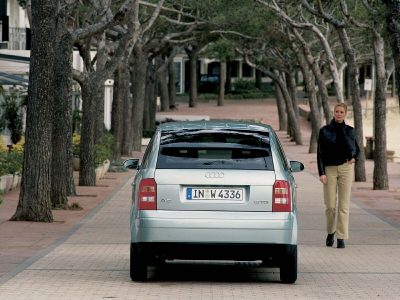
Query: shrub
[3, 147]
[10, 162]
[104, 149]
[76, 141]
[11, 116]
[19, 147]
[244, 86]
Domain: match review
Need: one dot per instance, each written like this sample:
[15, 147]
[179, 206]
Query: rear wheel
[138, 266]
[288, 267]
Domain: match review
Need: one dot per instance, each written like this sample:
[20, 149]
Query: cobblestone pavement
[92, 262]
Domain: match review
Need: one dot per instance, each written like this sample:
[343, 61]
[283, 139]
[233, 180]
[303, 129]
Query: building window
[233, 66]
[247, 71]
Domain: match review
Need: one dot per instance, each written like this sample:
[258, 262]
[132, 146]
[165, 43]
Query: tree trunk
[87, 164]
[163, 85]
[322, 90]
[293, 123]
[102, 56]
[140, 67]
[127, 79]
[348, 51]
[222, 80]
[315, 114]
[280, 103]
[171, 85]
[150, 101]
[291, 81]
[117, 112]
[193, 56]
[153, 91]
[381, 180]
[34, 199]
[228, 84]
[62, 160]
[393, 24]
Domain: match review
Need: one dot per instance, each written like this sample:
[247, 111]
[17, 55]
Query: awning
[10, 79]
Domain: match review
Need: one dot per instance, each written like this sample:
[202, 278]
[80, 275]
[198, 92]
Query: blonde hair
[341, 104]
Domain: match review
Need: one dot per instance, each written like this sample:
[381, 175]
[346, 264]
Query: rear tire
[288, 267]
[138, 266]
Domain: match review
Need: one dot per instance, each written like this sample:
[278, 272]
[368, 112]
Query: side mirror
[296, 166]
[131, 163]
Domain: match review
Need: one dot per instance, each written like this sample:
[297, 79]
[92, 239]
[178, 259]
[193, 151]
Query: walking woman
[337, 152]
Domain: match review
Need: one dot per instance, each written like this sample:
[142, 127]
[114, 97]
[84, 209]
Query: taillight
[147, 194]
[281, 201]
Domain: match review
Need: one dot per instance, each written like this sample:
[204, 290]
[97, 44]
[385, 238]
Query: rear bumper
[271, 254]
[213, 227]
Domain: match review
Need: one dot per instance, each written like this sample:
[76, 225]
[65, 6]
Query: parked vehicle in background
[214, 190]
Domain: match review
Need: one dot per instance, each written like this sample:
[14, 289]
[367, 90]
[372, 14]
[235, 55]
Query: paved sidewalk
[90, 259]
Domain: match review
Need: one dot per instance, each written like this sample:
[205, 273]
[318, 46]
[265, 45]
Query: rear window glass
[215, 149]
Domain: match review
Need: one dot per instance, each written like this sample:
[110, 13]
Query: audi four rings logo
[214, 175]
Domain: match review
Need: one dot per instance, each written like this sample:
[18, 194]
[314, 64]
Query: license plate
[214, 194]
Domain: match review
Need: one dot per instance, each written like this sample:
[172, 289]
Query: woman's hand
[351, 161]
[323, 179]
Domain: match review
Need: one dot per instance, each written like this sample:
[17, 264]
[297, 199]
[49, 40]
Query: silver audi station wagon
[214, 190]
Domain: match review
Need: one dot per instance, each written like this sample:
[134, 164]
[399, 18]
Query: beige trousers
[337, 192]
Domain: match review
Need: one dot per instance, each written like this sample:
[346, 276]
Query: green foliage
[10, 162]
[241, 86]
[104, 149]
[11, 116]
[76, 121]
[221, 49]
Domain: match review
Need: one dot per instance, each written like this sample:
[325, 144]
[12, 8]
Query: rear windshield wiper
[216, 162]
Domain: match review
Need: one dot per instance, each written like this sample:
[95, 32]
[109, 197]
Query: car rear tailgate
[219, 190]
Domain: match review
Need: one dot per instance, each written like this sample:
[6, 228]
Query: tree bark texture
[291, 81]
[222, 81]
[87, 164]
[348, 51]
[140, 67]
[117, 111]
[127, 79]
[34, 200]
[193, 56]
[100, 64]
[280, 103]
[150, 99]
[171, 84]
[381, 180]
[62, 159]
[163, 85]
[292, 120]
